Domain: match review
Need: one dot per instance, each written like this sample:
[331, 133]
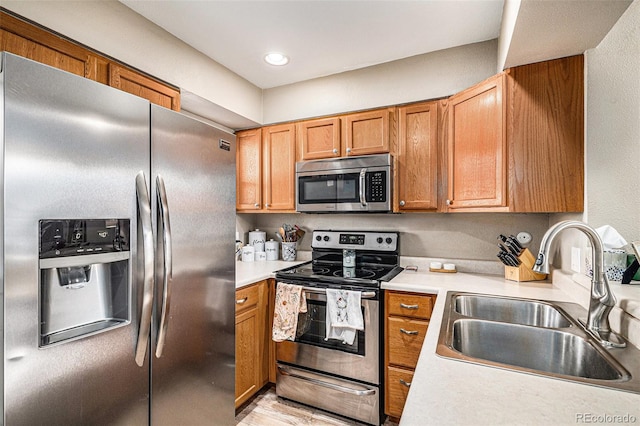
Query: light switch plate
[575, 259]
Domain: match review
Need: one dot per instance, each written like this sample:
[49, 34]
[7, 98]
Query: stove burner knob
[326, 238]
[318, 238]
[379, 240]
[389, 240]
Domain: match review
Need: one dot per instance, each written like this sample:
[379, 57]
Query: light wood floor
[266, 409]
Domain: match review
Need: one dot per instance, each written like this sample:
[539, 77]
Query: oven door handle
[363, 183]
[327, 384]
[363, 294]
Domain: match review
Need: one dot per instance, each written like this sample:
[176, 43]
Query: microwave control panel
[376, 187]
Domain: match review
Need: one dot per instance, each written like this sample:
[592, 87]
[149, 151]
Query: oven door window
[312, 330]
[342, 188]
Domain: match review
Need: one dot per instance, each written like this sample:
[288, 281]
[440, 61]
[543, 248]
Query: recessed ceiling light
[275, 58]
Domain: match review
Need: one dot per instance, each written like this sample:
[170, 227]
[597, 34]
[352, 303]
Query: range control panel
[358, 240]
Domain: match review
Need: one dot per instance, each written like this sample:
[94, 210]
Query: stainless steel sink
[536, 337]
[515, 311]
[553, 351]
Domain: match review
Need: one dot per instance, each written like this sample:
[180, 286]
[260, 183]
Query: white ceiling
[322, 37]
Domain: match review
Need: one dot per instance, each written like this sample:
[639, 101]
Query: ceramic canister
[271, 248]
[248, 253]
[256, 239]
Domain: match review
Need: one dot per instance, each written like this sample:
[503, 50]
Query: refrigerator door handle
[163, 208]
[144, 211]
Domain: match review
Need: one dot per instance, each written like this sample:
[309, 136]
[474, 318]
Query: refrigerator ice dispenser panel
[84, 277]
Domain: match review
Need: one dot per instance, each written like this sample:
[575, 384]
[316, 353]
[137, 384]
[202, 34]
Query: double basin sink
[536, 337]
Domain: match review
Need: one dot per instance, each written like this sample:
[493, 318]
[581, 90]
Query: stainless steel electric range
[342, 378]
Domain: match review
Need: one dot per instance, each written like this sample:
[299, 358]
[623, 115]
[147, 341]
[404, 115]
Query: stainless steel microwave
[350, 184]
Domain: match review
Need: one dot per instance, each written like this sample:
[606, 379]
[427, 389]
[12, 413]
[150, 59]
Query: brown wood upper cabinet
[279, 163]
[416, 164]
[319, 139]
[38, 44]
[515, 141]
[362, 133]
[265, 169]
[249, 170]
[369, 132]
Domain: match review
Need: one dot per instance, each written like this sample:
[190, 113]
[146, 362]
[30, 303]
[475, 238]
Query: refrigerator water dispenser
[84, 278]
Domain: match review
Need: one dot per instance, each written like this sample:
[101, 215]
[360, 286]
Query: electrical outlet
[575, 259]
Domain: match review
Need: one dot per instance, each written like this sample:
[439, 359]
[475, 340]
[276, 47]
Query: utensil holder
[524, 272]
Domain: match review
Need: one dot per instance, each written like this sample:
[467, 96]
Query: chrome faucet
[602, 299]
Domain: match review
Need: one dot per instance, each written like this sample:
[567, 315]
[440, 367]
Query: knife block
[524, 272]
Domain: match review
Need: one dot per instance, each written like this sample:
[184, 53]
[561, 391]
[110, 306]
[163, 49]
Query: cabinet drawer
[247, 297]
[410, 305]
[398, 382]
[405, 337]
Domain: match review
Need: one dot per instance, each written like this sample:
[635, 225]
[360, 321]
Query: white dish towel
[344, 315]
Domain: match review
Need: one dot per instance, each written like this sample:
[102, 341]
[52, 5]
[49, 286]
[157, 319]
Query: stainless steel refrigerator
[117, 257]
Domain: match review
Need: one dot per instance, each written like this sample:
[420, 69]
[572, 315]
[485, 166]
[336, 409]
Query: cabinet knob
[241, 301]
[402, 203]
[266, 204]
[407, 384]
[449, 202]
[409, 332]
[256, 205]
[348, 149]
[335, 151]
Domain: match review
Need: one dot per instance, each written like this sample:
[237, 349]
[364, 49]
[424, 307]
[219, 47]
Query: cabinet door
[247, 354]
[405, 337]
[398, 383]
[477, 155]
[279, 166]
[319, 138]
[417, 158]
[249, 170]
[368, 132]
[144, 87]
[34, 43]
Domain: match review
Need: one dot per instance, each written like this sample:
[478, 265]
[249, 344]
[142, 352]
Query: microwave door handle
[363, 197]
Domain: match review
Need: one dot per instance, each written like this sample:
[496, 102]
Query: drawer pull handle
[411, 333]
[241, 301]
[407, 384]
[402, 305]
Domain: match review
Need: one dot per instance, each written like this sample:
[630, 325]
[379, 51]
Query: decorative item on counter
[261, 256]
[290, 236]
[615, 255]
[271, 249]
[289, 250]
[248, 254]
[633, 261]
[442, 267]
[257, 239]
[518, 260]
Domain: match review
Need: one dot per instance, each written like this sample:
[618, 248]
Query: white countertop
[449, 392]
[251, 272]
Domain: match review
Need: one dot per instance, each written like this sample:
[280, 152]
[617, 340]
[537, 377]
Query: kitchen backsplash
[453, 236]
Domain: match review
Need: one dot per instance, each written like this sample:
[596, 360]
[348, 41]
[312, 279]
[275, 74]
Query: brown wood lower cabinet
[251, 340]
[406, 321]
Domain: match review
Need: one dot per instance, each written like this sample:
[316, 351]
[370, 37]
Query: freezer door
[193, 175]
[72, 149]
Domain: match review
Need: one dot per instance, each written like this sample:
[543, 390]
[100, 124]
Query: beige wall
[429, 76]
[613, 128]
